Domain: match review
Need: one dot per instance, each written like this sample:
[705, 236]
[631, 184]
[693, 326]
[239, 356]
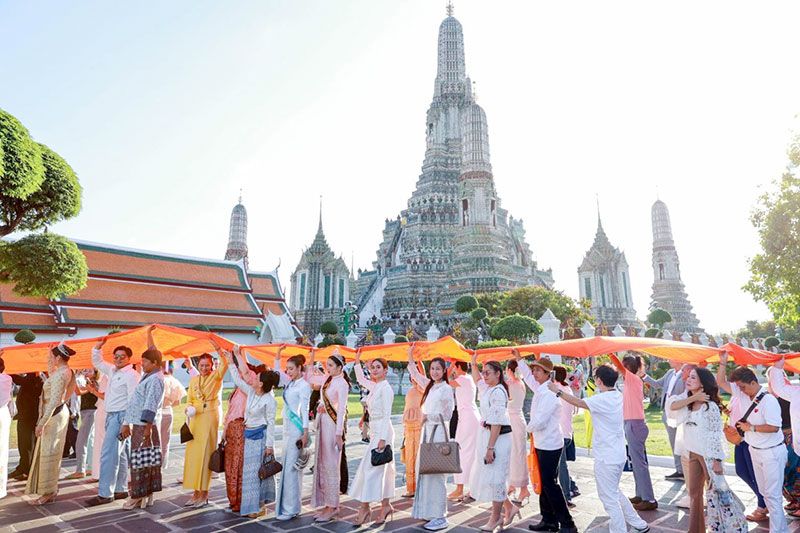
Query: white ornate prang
[669, 292]
[703, 339]
[604, 280]
[389, 336]
[719, 340]
[587, 330]
[318, 339]
[454, 237]
[618, 331]
[351, 339]
[667, 334]
[433, 333]
[686, 337]
[237, 235]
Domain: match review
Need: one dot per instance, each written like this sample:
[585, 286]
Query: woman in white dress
[518, 477]
[296, 397]
[430, 499]
[375, 483]
[489, 480]
[467, 429]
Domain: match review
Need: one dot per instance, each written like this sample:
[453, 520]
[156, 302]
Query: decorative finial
[240, 195]
[319, 228]
[474, 91]
[449, 9]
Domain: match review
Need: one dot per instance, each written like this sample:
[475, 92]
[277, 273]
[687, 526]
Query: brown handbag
[439, 457]
[217, 461]
[269, 467]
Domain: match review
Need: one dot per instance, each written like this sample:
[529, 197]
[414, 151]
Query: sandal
[759, 515]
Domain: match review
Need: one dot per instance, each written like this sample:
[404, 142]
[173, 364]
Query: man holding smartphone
[549, 443]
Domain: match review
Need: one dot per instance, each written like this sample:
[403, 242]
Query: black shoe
[120, 495]
[19, 476]
[675, 476]
[645, 529]
[544, 526]
[98, 500]
[635, 500]
[568, 529]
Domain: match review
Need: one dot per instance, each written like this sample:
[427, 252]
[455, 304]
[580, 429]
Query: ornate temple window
[602, 291]
[464, 212]
[341, 292]
[587, 288]
[625, 288]
[327, 302]
[303, 290]
[661, 271]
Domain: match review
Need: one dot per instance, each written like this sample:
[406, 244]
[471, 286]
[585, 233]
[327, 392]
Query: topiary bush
[329, 328]
[25, 336]
[794, 346]
[518, 328]
[496, 343]
[653, 333]
[465, 304]
[479, 313]
[771, 342]
[401, 338]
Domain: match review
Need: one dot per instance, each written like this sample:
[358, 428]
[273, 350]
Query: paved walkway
[69, 514]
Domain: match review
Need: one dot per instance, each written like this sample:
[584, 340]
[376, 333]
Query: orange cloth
[533, 467]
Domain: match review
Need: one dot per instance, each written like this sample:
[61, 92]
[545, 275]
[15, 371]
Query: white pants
[768, 466]
[615, 503]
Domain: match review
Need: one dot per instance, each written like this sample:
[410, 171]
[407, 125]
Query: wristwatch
[559, 393]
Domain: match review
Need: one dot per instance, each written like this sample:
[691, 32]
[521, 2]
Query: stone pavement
[68, 513]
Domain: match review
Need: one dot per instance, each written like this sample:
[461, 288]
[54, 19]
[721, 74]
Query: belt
[768, 447]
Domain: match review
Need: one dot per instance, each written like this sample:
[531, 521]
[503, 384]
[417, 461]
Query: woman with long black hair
[489, 482]
[430, 499]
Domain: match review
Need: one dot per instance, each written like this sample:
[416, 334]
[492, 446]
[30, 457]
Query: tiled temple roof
[128, 288]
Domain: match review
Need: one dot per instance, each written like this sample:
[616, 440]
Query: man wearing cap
[549, 441]
[122, 381]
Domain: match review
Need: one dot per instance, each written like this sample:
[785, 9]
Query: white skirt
[489, 483]
[5, 428]
[374, 483]
[430, 498]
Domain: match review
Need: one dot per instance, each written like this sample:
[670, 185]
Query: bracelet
[492, 448]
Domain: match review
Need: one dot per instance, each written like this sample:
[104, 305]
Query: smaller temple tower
[669, 292]
[321, 285]
[604, 280]
[237, 237]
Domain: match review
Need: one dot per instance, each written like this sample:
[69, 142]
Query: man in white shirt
[762, 432]
[122, 381]
[671, 384]
[608, 445]
[549, 442]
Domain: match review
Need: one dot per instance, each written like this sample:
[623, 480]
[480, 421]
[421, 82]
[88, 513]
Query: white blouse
[379, 405]
[260, 409]
[296, 396]
[494, 404]
[440, 399]
[702, 428]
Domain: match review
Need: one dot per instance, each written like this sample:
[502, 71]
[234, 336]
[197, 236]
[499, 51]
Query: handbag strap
[441, 423]
[752, 406]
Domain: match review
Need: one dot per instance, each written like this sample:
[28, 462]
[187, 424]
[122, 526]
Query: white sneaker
[284, 517]
[683, 503]
[436, 524]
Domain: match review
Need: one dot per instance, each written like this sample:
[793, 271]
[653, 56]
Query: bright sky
[166, 109]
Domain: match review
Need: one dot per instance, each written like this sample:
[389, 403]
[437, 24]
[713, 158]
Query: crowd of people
[460, 420]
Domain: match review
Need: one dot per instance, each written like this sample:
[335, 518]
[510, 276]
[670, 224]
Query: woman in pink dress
[331, 427]
[518, 475]
[469, 421]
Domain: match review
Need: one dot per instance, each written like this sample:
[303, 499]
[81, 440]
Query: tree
[329, 328]
[794, 346]
[517, 328]
[401, 338]
[479, 314]
[658, 317]
[534, 301]
[330, 339]
[654, 333]
[37, 188]
[25, 336]
[465, 304]
[43, 264]
[496, 343]
[775, 271]
[771, 342]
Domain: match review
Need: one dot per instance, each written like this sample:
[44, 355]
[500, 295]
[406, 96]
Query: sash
[327, 402]
[255, 433]
[293, 417]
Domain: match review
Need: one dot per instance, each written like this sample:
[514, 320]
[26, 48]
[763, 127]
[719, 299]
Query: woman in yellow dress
[203, 410]
[51, 429]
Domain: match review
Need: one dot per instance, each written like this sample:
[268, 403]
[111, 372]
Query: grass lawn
[354, 412]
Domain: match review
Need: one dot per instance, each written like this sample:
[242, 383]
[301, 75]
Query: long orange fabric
[533, 467]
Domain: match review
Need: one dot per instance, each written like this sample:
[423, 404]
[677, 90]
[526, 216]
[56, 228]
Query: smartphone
[552, 375]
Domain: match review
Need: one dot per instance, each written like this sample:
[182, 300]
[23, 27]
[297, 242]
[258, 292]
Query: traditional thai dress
[468, 426]
[145, 408]
[489, 482]
[374, 483]
[53, 419]
[5, 428]
[204, 397]
[234, 447]
[518, 472]
[430, 498]
[296, 397]
[412, 426]
[331, 415]
[99, 427]
[259, 434]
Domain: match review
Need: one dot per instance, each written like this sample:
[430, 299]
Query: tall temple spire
[237, 234]
[451, 65]
[668, 290]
